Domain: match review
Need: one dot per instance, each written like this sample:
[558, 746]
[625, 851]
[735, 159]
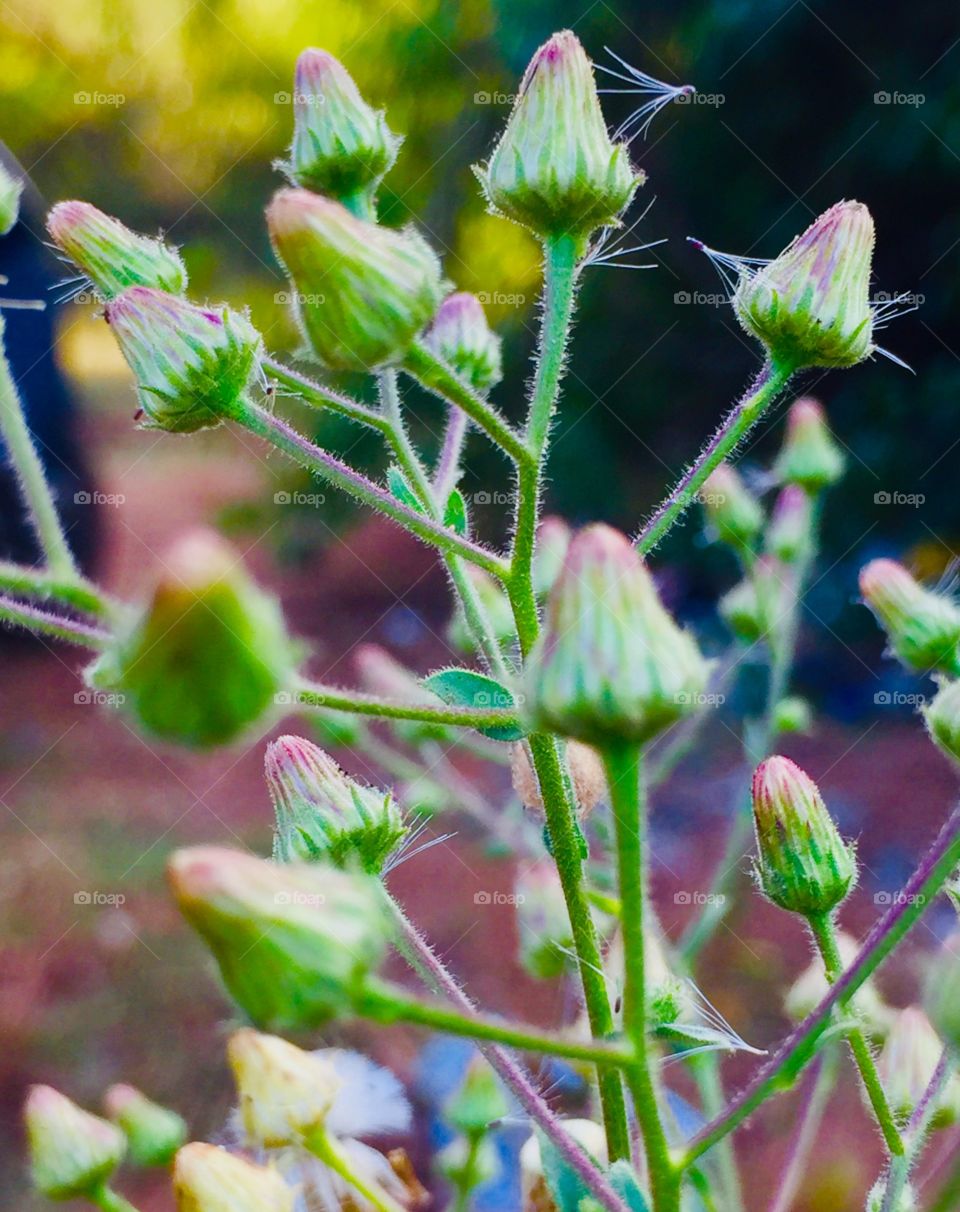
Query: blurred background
[172, 116]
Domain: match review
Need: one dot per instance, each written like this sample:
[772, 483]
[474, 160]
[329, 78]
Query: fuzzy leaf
[397, 483]
[455, 512]
[464, 688]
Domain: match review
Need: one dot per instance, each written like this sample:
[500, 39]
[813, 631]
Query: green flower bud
[803, 865]
[285, 1093]
[556, 169]
[11, 188]
[923, 626]
[754, 608]
[543, 924]
[294, 942]
[732, 510]
[341, 146]
[942, 991]
[792, 714]
[610, 664]
[153, 1133]
[811, 305]
[479, 1101]
[193, 365]
[206, 658]
[461, 336]
[553, 539]
[907, 1062]
[72, 1153]
[809, 457]
[207, 1178]
[790, 533]
[362, 292]
[942, 717]
[321, 814]
[111, 255]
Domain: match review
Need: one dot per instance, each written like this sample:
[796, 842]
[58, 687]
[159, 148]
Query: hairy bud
[732, 511]
[790, 533]
[153, 1133]
[207, 1178]
[72, 1153]
[285, 1093]
[461, 336]
[923, 626]
[809, 457]
[942, 717]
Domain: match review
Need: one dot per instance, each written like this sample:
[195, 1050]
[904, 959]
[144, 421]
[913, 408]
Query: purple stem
[448, 465]
[61, 627]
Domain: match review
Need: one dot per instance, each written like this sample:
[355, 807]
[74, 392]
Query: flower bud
[478, 1103]
[294, 942]
[754, 608]
[321, 814]
[942, 991]
[809, 457]
[586, 774]
[461, 336]
[111, 255]
[790, 533]
[792, 714]
[11, 188]
[733, 511]
[362, 292]
[942, 717]
[207, 1178]
[553, 539]
[204, 660]
[811, 305]
[556, 169]
[610, 664]
[803, 865]
[72, 1153]
[193, 365]
[153, 1133]
[342, 147]
[923, 626]
[543, 923]
[285, 1093]
[907, 1062]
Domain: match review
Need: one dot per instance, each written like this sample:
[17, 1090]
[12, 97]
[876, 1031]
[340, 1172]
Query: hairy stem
[42, 622]
[77, 594]
[320, 396]
[309, 694]
[447, 472]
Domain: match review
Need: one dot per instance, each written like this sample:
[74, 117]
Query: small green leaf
[566, 1186]
[464, 688]
[397, 483]
[624, 1182]
[455, 512]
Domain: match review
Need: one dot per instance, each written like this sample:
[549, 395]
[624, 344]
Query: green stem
[79, 594]
[318, 395]
[324, 1147]
[706, 1074]
[309, 694]
[41, 622]
[110, 1201]
[624, 768]
[467, 1177]
[824, 931]
[31, 476]
[771, 381]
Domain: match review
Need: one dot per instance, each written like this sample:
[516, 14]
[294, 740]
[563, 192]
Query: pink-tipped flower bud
[907, 1062]
[923, 626]
[321, 814]
[755, 607]
[586, 775]
[207, 1178]
[611, 664]
[294, 942]
[811, 305]
[809, 457]
[555, 169]
[803, 863]
[11, 188]
[111, 255]
[732, 511]
[193, 365]
[790, 533]
[72, 1153]
[942, 716]
[362, 292]
[285, 1093]
[342, 147]
[553, 539]
[461, 336]
[206, 658]
[153, 1133]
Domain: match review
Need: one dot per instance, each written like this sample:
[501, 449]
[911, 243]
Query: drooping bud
[72, 1153]
[610, 664]
[294, 942]
[754, 608]
[942, 717]
[479, 1101]
[153, 1133]
[111, 255]
[803, 863]
[193, 365]
[586, 774]
[362, 292]
[907, 1062]
[556, 169]
[536, 1196]
[811, 987]
[321, 814]
[11, 188]
[809, 457]
[811, 305]
[543, 923]
[285, 1093]
[942, 991]
[553, 539]
[461, 336]
[732, 510]
[923, 626]
[790, 533]
[204, 660]
[342, 147]
[207, 1178]
[792, 714]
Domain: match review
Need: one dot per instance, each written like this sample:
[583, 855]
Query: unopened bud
[153, 1133]
[285, 1093]
[942, 717]
[586, 774]
[942, 990]
[207, 1178]
[111, 255]
[205, 659]
[479, 1102]
[362, 292]
[461, 336]
[790, 533]
[792, 714]
[803, 865]
[556, 169]
[553, 539]
[753, 608]
[193, 365]
[342, 147]
[907, 1062]
[611, 664]
[321, 814]
[732, 510]
[923, 626]
[72, 1153]
[809, 457]
[11, 188]
[294, 942]
[811, 305]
